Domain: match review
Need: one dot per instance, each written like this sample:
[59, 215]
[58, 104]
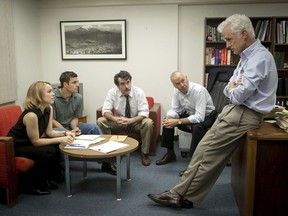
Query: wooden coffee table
[91, 155]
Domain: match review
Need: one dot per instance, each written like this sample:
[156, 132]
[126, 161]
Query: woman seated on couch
[35, 138]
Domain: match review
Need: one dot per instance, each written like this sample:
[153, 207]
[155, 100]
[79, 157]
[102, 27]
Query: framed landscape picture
[103, 39]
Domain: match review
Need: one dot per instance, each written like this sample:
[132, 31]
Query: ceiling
[80, 3]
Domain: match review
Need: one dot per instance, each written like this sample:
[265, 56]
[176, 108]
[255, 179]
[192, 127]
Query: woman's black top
[19, 132]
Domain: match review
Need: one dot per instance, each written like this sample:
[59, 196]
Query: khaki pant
[214, 151]
[144, 127]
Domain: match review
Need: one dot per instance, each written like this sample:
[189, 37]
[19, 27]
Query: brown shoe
[145, 159]
[181, 172]
[187, 204]
[167, 158]
[167, 198]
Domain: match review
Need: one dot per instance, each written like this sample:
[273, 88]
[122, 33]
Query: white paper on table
[83, 144]
[109, 147]
[87, 137]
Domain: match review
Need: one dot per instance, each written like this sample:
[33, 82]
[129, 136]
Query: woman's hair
[237, 23]
[123, 75]
[34, 97]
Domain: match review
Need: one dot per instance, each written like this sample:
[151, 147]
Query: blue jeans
[85, 128]
[89, 129]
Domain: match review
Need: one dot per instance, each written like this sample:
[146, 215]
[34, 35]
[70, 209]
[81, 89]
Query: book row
[215, 56]
[282, 89]
[263, 30]
[280, 60]
[282, 32]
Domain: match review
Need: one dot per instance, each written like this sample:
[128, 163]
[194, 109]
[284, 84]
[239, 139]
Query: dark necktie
[127, 114]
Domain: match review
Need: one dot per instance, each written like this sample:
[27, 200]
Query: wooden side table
[91, 155]
[259, 175]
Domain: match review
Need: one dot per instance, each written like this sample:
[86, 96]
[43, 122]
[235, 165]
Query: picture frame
[93, 39]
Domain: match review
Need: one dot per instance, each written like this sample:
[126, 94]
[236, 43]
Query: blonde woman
[35, 138]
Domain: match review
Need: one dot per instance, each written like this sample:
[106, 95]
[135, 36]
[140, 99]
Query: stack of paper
[84, 141]
[90, 137]
[282, 120]
[109, 147]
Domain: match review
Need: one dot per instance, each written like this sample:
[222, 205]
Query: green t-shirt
[64, 111]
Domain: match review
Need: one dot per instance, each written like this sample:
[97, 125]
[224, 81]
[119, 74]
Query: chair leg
[11, 193]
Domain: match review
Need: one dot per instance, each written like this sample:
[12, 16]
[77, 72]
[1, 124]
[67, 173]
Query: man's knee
[101, 121]
[148, 121]
[197, 128]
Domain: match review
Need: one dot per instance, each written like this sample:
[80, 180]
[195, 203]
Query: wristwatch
[179, 122]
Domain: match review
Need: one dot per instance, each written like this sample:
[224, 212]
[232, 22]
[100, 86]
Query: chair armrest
[7, 152]
[19, 164]
[9, 145]
[155, 115]
[83, 118]
[99, 113]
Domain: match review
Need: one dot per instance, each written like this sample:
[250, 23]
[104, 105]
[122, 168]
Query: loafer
[167, 158]
[187, 204]
[167, 198]
[109, 168]
[145, 159]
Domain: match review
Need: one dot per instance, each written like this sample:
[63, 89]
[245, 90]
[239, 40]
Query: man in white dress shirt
[192, 110]
[115, 116]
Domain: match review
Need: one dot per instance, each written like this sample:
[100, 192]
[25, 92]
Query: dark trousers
[198, 130]
[46, 167]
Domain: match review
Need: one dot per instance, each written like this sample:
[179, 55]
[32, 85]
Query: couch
[155, 115]
[9, 164]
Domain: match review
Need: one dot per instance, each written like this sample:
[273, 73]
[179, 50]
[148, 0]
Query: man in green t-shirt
[68, 107]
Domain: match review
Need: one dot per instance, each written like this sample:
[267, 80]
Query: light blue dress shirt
[197, 102]
[257, 89]
[115, 99]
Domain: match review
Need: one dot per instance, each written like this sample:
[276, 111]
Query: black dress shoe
[187, 204]
[52, 184]
[38, 191]
[167, 198]
[109, 168]
[167, 158]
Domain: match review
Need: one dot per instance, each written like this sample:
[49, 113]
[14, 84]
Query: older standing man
[252, 92]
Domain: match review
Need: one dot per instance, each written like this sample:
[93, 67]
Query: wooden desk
[91, 155]
[259, 175]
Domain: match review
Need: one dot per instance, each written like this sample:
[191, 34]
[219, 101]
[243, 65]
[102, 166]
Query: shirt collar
[245, 53]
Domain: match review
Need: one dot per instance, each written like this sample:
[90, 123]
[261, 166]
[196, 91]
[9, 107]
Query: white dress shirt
[117, 101]
[197, 102]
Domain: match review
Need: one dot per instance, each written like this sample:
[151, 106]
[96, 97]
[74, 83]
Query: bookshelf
[273, 34]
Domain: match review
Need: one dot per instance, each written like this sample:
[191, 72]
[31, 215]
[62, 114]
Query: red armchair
[9, 164]
[155, 115]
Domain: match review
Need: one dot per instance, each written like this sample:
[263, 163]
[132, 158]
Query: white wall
[160, 39]
[152, 40]
[27, 45]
